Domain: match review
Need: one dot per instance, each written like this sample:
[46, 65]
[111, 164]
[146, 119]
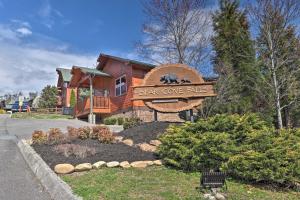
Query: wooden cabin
[64, 90]
[112, 82]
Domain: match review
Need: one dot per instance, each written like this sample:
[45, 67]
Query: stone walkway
[17, 181]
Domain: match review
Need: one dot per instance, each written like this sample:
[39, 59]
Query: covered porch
[92, 87]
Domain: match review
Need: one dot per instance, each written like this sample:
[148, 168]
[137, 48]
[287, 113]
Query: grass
[158, 183]
[40, 116]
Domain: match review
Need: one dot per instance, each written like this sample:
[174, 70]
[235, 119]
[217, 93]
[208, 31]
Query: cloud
[24, 31]
[30, 69]
[49, 15]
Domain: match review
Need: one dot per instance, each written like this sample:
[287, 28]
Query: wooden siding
[117, 69]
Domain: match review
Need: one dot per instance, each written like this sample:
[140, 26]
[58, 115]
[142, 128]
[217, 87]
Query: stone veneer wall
[147, 115]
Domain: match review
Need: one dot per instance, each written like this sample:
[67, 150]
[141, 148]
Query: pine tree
[234, 59]
[72, 99]
[48, 97]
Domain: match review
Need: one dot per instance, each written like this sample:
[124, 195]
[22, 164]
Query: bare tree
[278, 49]
[175, 31]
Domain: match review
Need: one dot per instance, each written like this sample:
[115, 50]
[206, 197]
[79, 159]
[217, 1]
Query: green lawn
[158, 183]
[40, 116]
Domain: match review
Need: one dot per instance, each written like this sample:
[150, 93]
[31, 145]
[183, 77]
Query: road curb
[57, 189]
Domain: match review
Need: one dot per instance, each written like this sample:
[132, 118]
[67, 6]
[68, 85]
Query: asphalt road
[17, 181]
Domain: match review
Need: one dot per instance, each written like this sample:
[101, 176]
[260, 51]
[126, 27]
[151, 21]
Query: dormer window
[121, 87]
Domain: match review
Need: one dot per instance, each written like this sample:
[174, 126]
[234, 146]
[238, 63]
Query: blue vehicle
[15, 107]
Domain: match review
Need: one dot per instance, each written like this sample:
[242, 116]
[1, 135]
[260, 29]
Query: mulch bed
[145, 132]
[104, 152]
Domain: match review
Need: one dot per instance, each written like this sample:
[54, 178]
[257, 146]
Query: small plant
[55, 135]
[120, 120]
[95, 131]
[2, 111]
[74, 149]
[131, 122]
[110, 121]
[104, 134]
[39, 137]
[84, 132]
[72, 133]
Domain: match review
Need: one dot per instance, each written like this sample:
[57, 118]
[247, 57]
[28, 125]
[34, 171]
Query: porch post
[91, 115]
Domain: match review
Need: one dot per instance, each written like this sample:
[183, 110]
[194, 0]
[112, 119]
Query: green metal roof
[66, 74]
[92, 71]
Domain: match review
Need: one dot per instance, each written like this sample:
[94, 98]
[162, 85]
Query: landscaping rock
[149, 162]
[128, 142]
[211, 197]
[155, 142]
[118, 138]
[99, 164]
[157, 162]
[113, 164]
[83, 167]
[220, 196]
[206, 196]
[147, 147]
[64, 168]
[125, 164]
[139, 164]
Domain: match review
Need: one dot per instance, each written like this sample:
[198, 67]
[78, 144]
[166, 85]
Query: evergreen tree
[234, 59]
[48, 97]
[72, 99]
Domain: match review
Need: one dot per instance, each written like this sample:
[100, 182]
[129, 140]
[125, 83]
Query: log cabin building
[111, 84]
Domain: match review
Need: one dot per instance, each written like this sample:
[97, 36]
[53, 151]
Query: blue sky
[37, 36]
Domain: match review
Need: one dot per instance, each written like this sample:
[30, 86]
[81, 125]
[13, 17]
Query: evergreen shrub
[245, 146]
[110, 121]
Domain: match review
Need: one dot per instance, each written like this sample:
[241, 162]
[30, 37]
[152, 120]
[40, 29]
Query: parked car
[15, 107]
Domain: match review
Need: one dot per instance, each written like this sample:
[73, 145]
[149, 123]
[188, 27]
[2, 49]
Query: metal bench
[213, 179]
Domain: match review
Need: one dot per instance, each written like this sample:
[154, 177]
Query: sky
[37, 36]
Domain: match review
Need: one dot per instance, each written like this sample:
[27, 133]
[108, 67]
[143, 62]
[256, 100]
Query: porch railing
[98, 103]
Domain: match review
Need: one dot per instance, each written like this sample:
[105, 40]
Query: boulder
[149, 162]
[113, 164]
[118, 138]
[99, 164]
[83, 167]
[64, 168]
[155, 142]
[157, 162]
[128, 142]
[220, 196]
[139, 164]
[125, 164]
[147, 147]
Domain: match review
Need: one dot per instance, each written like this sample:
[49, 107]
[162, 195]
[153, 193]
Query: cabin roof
[65, 73]
[103, 58]
[92, 71]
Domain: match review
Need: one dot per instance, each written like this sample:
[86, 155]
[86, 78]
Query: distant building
[64, 91]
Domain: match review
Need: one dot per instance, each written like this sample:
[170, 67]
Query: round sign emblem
[173, 88]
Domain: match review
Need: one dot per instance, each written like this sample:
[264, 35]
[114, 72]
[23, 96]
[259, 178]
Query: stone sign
[173, 88]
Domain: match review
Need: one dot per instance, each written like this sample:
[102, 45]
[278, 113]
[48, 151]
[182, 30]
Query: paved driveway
[23, 128]
[17, 182]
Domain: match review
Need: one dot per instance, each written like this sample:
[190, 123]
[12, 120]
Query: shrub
[74, 149]
[55, 136]
[269, 158]
[2, 111]
[131, 122]
[110, 121]
[72, 133]
[104, 135]
[84, 132]
[39, 137]
[120, 120]
[96, 130]
[244, 146]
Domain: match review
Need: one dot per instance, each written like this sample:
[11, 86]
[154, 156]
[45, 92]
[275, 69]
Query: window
[121, 86]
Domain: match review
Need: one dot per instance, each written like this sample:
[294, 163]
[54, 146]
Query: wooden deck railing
[98, 103]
